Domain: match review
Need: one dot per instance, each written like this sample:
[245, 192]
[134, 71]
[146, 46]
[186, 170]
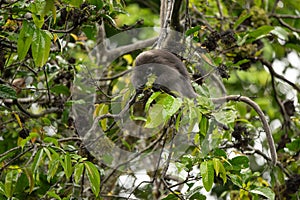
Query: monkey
[171, 74]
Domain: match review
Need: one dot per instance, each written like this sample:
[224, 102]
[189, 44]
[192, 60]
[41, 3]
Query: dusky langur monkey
[171, 74]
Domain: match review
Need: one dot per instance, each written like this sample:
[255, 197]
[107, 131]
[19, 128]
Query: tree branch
[175, 20]
[285, 16]
[272, 71]
[283, 23]
[166, 10]
[31, 115]
[115, 76]
[261, 115]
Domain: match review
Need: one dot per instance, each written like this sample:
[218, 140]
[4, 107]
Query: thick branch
[104, 55]
[166, 10]
[175, 21]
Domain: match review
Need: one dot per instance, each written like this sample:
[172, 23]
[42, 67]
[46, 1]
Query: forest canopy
[213, 115]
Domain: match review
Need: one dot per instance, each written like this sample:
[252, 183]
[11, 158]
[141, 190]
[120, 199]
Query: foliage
[223, 151]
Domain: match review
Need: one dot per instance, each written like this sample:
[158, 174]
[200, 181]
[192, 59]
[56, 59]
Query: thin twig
[31, 115]
[164, 172]
[220, 12]
[15, 158]
[35, 150]
[286, 118]
[63, 31]
[274, 6]
[283, 23]
[285, 16]
[47, 84]
[203, 19]
[115, 76]
[69, 139]
[11, 150]
[272, 71]
[27, 100]
[134, 157]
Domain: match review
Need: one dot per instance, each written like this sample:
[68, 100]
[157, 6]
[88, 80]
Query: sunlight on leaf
[93, 176]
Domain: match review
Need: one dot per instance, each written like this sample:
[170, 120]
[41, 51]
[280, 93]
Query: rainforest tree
[74, 126]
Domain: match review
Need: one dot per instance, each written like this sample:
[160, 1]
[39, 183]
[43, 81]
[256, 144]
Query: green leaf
[197, 139]
[236, 180]
[101, 109]
[220, 153]
[93, 176]
[97, 3]
[264, 191]
[30, 137]
[204, 126]
[170, 104]
[30, 178]
[192, 30]
[194, 116]
[226, 116]
[197, 196]
[260, 32]
[294, 145]
[241, 19]
[55, 155]
[48, 153]
[2, 188]
[7, 92]
[38, 20]
[53, 165]
[53, 195]
[24, 40]
[281, 33]
[46, 121]
[170, 197]
[40, 47]
[207, 173]
[37, 160]
[78, 172]
[60, 89]
[10, 182]
[219, 168]
[216, 163]
[156, 116]
[37, 8]
[50, 6]
[151, 99]
[240, 162]
[240, 62]
[51, 140]
[67, 165]
[166, 106]
[76, 3]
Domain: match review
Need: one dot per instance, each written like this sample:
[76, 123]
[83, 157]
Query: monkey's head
[171, 74]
